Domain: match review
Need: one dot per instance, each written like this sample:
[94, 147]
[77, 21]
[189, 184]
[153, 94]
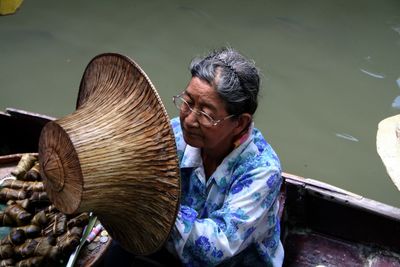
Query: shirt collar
[191, 157]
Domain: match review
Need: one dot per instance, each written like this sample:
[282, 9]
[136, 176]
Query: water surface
[330, 68]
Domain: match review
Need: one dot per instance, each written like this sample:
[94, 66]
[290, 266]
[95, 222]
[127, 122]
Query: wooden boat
[20, 134]
[321, 225]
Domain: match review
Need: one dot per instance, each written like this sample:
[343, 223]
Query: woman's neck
[213, 158]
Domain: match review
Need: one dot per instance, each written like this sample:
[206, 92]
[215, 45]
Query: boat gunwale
[338, 195]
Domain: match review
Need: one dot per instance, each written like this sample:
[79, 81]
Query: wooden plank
[20, 131]
[344, 197]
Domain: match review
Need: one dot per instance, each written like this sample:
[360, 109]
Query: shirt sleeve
[245, 215]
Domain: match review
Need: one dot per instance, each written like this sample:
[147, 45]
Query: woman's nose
[191, 119]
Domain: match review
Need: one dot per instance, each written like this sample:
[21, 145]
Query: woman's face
[202, 96]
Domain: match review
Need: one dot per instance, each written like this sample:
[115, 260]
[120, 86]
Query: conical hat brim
[121, 147]
[388, 146]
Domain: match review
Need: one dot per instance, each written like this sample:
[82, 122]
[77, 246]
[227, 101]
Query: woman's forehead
[201, 89]
[204, 93]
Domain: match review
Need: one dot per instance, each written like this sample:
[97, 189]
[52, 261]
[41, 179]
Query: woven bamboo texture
[115, 156]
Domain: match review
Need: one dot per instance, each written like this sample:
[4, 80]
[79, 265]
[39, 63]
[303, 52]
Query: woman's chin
[193, 140]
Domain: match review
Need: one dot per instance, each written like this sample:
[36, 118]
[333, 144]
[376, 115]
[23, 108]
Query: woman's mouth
[192, 134]
[192, 138]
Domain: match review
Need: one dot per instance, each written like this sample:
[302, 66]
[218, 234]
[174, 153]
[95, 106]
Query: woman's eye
[208, 112]
[187, 99]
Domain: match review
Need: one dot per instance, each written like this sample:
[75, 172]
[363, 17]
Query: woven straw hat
[115, 156]
[388, 146]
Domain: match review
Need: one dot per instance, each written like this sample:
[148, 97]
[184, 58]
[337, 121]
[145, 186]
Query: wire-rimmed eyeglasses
[202, 117]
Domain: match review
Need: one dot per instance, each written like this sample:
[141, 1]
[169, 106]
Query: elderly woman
[230, 175]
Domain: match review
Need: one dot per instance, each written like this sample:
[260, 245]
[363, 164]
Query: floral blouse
[235, 208]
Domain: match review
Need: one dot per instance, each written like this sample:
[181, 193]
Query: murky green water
[330, 68]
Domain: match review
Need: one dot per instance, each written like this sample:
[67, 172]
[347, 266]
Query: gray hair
[235, 78]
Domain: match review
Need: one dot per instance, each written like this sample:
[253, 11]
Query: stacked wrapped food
[40, 235]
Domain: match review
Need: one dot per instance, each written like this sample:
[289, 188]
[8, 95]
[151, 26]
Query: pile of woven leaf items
[35, 232]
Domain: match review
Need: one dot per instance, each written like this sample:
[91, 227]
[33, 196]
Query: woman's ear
[243, 122]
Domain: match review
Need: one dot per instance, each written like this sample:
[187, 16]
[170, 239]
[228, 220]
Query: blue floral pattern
[235, 208]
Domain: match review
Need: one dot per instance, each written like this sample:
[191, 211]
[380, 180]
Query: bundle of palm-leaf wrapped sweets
[40, 235]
